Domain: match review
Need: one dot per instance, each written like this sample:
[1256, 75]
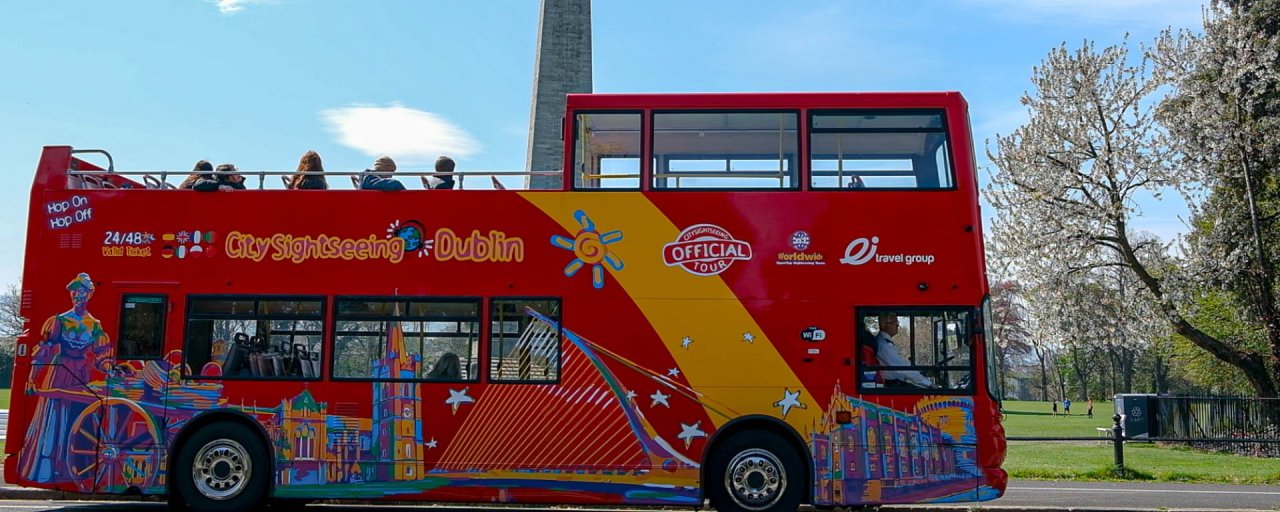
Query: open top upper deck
[662, 142]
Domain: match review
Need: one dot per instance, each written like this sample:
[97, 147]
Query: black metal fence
[1245, 426]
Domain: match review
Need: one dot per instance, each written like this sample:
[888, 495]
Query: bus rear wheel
[755, 471]
[223, 467]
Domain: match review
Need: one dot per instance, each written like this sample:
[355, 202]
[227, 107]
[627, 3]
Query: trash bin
[1137, 414]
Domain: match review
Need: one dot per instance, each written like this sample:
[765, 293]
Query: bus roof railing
[159, 179]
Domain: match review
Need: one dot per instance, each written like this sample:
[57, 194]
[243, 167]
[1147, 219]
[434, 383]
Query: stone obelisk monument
[562, 66]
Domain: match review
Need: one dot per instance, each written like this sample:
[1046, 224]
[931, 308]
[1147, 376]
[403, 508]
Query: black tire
[754, 471]
[233, 470]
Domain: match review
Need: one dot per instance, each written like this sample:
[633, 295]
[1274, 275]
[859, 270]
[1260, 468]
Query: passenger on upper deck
[310, 173]
[202, 169]
[379, 178]
[226, 177]
[445, 182]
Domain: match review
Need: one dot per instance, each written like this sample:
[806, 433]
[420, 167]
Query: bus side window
[141, 327]
[524, 340]
[254, 338]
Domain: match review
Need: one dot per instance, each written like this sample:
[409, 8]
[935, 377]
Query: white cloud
[406, 134]
[1148, 13]
[235, 6]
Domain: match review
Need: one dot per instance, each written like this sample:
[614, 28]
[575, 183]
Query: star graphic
[788, 401]
[659, 398]
[688, 432]
[748, 337]
[686, 342]
[432, 445]
[674, 372]
[457, 398]
[631, 395]
[183, 237]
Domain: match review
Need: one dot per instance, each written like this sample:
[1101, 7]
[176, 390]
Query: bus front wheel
[755, 471]
[223, 467]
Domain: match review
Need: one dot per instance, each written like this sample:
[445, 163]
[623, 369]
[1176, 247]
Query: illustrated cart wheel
[128, 439]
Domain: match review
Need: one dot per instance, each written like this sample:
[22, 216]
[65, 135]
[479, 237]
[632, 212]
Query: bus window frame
[191, 299]
[488, 341]
[332, 339]
[942, 113]
[991, 368]
[909, 311]
[798, 169]
[166, 304]
[643, 171]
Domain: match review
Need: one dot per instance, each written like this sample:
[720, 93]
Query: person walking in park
[1055, 408]
[1089, 410]
[1066, 406]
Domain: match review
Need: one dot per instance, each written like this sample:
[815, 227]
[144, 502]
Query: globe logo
[800, 240]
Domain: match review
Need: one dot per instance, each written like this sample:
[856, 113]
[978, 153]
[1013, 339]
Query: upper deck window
[606, 151]
[725, 150]
[875, 149]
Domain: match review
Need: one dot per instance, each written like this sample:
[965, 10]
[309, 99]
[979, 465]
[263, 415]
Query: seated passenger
[867, 355]
[855, 181]
[379, 178]
[310, 175]
[888, 354]
[447, 368]
[202, 169]
[443, 182]
[225, 177]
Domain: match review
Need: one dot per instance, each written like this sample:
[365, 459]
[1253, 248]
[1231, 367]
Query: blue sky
[161, 84]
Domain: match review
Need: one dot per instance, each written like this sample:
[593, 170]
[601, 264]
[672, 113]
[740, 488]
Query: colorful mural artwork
[72, 348]
[888, 456]
[589, 247]
[110, 444]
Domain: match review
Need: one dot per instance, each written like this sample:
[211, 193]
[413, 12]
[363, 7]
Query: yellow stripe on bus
[730, 362]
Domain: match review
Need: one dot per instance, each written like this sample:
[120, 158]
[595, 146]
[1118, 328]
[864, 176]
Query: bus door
[132, 412]
[912, 435]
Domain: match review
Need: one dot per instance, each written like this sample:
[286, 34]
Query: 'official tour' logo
[705, 250]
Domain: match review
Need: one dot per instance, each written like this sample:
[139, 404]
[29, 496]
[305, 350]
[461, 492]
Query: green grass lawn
[1093, 460]
[4, 404]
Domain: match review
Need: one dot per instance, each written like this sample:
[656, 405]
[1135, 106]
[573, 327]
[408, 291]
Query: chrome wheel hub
[222, 469]
[756, 479]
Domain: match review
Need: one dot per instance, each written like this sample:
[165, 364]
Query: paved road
[1151, 496]
[1022, 495]
[1041, 496]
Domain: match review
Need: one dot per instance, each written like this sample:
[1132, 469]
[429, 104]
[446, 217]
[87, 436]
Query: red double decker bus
[758, 299]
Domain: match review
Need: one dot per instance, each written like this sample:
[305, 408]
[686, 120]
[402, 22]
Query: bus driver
[888, 354]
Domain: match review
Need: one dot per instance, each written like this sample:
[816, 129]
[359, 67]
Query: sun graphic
[413, 234]
[590, 248]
